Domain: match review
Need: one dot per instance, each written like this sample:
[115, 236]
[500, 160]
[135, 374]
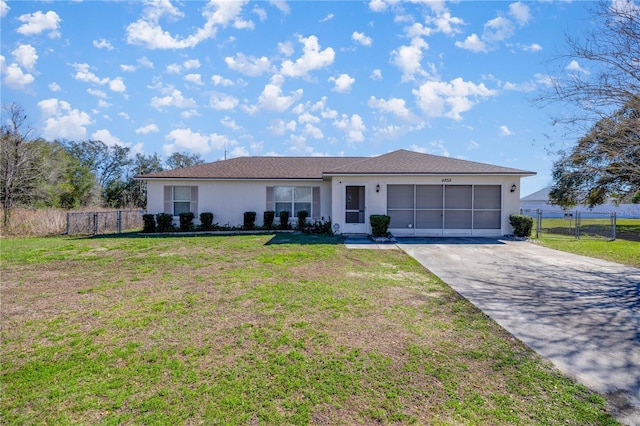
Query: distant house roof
[399, 162]
[540, 196]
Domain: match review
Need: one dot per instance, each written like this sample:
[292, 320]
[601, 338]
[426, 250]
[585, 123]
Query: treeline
[36, 173]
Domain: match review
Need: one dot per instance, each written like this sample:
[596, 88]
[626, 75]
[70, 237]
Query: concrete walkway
[581, 313]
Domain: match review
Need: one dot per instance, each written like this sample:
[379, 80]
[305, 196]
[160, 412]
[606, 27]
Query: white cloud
[313, 131]
[376, 75]
[83, 73]
[498, 29]
[472, 145]
[222, 102]
[442, 99]
[105, 136]
[128, 68]
[280, 127]
[281, 5]
[327, 18]
[520, 12]
[262, 14]
[102, 44]
[149, 128]
[63, 122]
[189, 113]
[147, 32]
[286, 48]
[176, 99]
[534, 47]
[362, 38]
[313, 58]
[504, 131]
[395, 106]
[250, 66]
[54, 87]
[377, 5]
[342, 83]
[307, 117]
[186, 139]
[218, 80]
[239, 151]
[445, 23]
[472, 43]
[14, 76]
[191, 64]
[229, 123]
[194, 78]
[408, 58]
[26, 56]
[97, 93]
[272, 99]
[575, 66]
[4, 9]
[117, 85]
[145, 62]
[353, 127]
[544, 80]
[38, 22]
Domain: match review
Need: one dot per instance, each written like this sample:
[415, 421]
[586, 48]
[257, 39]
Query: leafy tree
[178, 160]
[604, 162]
[137, 189]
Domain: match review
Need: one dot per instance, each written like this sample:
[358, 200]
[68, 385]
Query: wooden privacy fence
[96, 223]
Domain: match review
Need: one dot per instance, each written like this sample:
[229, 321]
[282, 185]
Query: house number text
[446, 180]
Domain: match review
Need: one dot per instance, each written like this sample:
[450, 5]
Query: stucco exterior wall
[228, 200]
[376, 202]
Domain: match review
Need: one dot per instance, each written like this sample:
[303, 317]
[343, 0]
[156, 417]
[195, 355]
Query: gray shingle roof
[399, 162]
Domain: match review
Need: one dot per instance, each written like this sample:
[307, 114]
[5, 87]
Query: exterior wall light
[378, 188]
[513, 188]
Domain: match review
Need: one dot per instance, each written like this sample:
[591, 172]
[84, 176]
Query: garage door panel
[457, 219]
[401, 218]
[486, 219]
[487, 197]
[429, 219]
[429, 196]
[400, 197]
[457, 197]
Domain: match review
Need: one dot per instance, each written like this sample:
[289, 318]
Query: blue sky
[339, 78]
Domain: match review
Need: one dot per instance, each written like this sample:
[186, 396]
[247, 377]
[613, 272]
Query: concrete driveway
[581, 313]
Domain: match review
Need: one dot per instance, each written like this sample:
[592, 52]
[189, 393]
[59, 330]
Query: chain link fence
[576, 224]
[107, 222]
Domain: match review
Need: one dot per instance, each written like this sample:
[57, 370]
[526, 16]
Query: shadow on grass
[304, 239]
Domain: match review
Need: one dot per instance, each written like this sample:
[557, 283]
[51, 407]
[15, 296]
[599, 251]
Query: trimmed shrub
[206, 221]
[522, 225]
[186, 221]
[148, 223]
[320, 226]
[268, 217]
[249, 220]
[379, 225]
[284, 220]
[302, 219]
[164, 222]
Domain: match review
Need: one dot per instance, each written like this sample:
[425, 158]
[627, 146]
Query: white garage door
[444, 209]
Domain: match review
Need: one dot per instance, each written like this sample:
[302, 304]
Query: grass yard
[257, 330]
[625, 249]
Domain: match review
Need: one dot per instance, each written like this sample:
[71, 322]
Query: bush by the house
[522, 225]
[379, 225]
[206, 221]
[284, 220]
[320, 226]
[148, 223]
[302, 219]
[164, 222]
[268, 217]
[186, 221]
[249, 220]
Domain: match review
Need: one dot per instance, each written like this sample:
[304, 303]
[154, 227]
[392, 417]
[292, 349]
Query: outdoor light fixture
[378, 188]
[513, 188]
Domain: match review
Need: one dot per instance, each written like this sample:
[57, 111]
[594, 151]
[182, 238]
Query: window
[180, 199]
[293, 199]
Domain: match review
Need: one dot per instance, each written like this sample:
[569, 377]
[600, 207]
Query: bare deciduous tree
[600, 83]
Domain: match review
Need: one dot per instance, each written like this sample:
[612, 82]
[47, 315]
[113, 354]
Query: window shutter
[270, 199]
[168, 208]
[194, 200]
[316, 202]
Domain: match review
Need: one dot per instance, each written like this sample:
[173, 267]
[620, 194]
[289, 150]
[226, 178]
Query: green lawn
[257, 330]
[624, 249]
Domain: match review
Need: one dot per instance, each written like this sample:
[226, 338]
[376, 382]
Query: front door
[354, 213]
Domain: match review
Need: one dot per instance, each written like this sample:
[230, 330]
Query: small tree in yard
[284, 220]
[522, 225]
[249, 220]
[149, 223]
[206, 221]
[268, 217]
[186, 221]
